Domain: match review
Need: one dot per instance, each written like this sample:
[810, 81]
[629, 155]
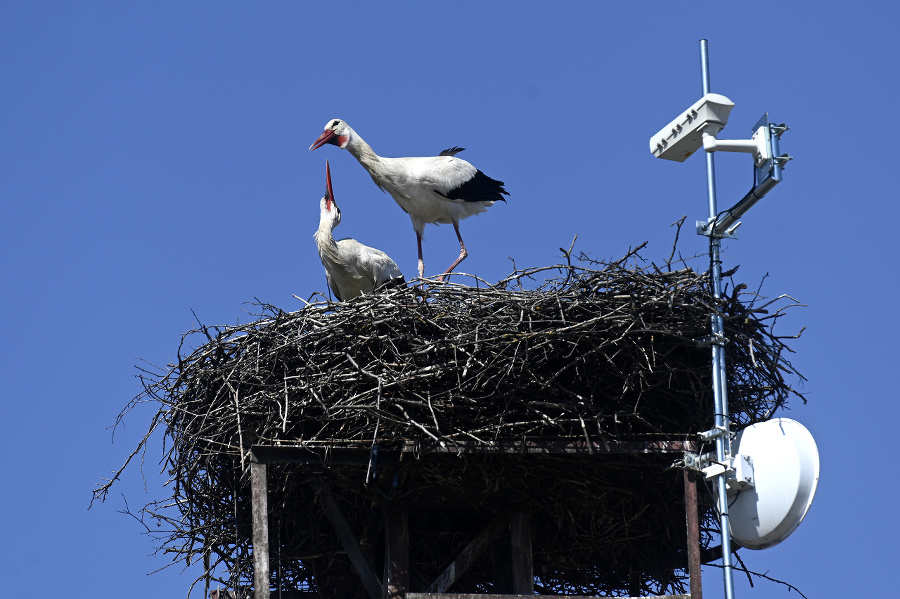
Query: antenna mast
[717, 343]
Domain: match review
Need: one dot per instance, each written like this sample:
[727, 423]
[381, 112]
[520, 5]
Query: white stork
[436, 189]
[351, 268]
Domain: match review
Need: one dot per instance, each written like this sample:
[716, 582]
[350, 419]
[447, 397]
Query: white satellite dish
[776, 467]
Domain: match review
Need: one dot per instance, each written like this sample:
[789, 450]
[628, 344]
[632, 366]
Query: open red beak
[329, 192]
[323, 139]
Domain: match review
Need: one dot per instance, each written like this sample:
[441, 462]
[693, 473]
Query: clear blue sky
[153, 161]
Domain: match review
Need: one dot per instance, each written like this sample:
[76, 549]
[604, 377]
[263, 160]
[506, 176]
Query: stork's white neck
[367, 157]
[328, 220]
[328, 249]
[326, 224]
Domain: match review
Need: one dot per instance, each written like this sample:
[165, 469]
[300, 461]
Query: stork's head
[336, 133]
[329, 211]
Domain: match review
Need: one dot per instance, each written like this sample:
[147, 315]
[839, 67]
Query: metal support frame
[397, 576]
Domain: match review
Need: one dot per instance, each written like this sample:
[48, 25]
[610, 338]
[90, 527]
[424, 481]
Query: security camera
[684, 135]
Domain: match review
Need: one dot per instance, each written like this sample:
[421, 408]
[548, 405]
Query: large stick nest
[601, 352]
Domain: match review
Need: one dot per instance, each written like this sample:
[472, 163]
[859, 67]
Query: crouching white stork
[436, 189]
[351, 268]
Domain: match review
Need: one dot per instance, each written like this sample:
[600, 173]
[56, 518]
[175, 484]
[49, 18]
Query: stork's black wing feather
[480, 188]
[451, 151]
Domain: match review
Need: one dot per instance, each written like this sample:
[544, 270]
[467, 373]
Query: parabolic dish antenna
[776, 472]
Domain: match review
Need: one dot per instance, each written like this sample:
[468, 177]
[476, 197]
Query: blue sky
[154, 161]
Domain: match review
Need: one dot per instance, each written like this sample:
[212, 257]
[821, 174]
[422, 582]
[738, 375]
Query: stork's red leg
[421, 260]
[462, 253]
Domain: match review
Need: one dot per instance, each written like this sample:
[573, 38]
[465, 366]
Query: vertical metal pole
[720, 390]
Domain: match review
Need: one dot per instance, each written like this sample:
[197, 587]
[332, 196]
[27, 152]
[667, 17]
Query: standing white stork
[436, 189]
[351, 268]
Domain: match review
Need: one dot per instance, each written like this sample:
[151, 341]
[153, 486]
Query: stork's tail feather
[451, 151]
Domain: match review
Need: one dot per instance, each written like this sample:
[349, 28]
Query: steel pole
[720, 388]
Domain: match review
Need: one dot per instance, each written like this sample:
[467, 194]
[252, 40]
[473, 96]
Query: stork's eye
[335, 123]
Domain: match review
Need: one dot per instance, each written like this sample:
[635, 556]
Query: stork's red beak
[326, 137]
[329, 193]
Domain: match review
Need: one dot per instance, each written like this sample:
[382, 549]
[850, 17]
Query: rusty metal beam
[321, 454]
[554, 447]
[692, 520]
[260, 508]
[352, 453]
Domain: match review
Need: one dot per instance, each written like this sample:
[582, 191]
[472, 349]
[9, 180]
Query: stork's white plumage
[436, 189]
[351, 268]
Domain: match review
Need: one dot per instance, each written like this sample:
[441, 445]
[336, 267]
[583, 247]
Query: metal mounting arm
[758, 145]
[767, 173]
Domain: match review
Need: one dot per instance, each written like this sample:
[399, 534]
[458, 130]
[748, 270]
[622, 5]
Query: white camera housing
[684, 135]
